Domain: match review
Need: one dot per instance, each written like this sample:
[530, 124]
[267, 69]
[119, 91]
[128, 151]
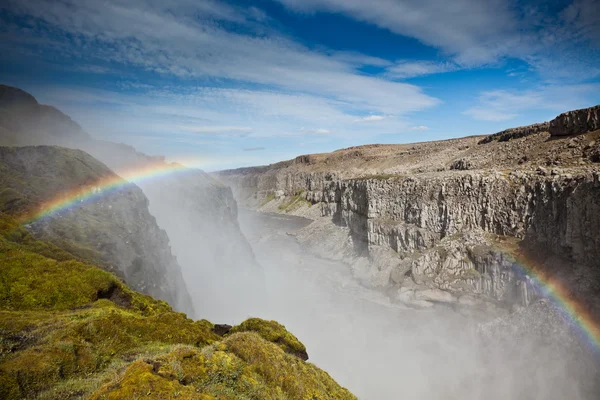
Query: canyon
[413, 268]
[105, 283]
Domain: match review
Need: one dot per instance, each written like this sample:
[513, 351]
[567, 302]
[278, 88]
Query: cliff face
[447, 228]
[578, 121]
[446, 221]
[115, 231]
[198, 214]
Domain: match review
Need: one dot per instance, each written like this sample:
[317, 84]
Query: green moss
[442, 252]
[242, 366]
[471, 274]
[268, 198]
[32, 281]
[295, 202]
[480, 251]
[61, 319]
[274, 332]
[69, 329]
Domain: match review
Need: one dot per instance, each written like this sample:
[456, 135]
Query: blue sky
[225, 84]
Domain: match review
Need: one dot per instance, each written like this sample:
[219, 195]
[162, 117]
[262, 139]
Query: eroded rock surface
[575, 122]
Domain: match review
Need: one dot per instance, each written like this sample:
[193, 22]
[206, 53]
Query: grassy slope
[71, 330]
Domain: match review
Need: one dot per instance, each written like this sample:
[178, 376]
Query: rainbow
[581, 319]
[573, 311]
[89, 193]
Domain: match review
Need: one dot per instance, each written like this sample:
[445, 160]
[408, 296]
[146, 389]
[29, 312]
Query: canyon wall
[472, 222]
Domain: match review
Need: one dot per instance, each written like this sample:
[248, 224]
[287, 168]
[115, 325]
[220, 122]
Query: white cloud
[503, 105]
[486, 114]
[467, 29]
[475, 32]
[159, 38]
[419, 128]
[370, 118]
[318, 131]
[214, 129]
[409, 69]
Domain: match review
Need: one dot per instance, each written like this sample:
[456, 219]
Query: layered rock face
[453, 220]
[444, 227]
[577, 121]
[115, 230]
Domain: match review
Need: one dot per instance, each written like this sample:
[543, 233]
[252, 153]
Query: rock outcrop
[516, 133]
[575, 122]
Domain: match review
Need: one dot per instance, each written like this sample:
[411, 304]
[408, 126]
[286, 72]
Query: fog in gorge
[375, 348]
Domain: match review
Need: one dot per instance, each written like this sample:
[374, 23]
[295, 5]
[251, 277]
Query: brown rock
[575, 122]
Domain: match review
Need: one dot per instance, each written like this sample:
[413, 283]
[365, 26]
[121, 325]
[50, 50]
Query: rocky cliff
[574, 122]
[116, 231]
[452, 220]
[198, 213]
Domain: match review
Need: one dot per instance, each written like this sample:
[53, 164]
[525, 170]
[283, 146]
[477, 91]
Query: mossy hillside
[115, 231]
[63, 319]
[273, 332]
[68, 329]
[243, 366]
[31, 175]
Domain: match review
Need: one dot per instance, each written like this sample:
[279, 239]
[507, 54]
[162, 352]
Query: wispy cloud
[504, 105]
[475, 32]
[419, 128]
[318, 131]
[158, 38]
[255, 148]
[370, 118]
[410, 69]
[215, 129]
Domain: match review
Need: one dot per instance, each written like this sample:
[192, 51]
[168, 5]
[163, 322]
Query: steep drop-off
[69, 330]
[198, 213]
[115, 230]
[446, 221]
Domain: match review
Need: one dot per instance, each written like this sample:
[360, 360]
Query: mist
[376, 348]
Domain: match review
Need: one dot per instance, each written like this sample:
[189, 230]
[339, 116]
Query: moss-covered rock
[69, 330]
[242, 366]
[274, 332]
